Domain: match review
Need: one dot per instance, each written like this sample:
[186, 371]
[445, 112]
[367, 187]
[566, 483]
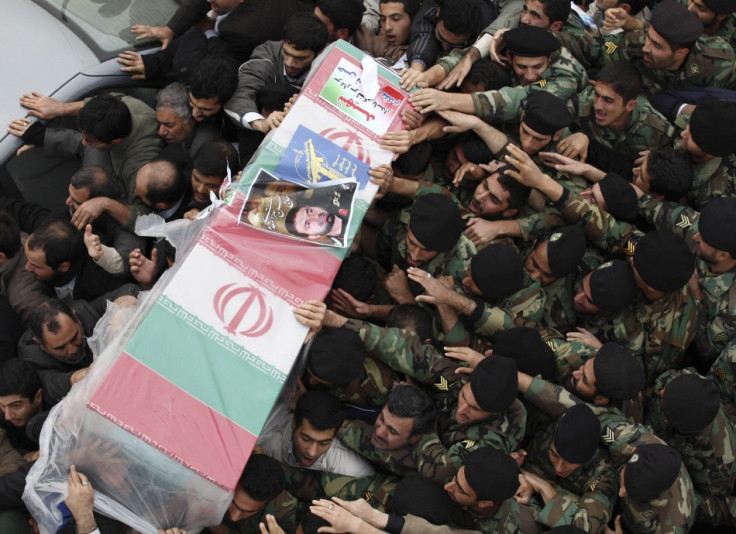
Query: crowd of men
[535, 329]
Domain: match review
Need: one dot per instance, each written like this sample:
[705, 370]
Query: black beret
[498, 271]
[663, 260]
[475, 149]
[530, 41]
[524, 344]
[713, 127]
[577, 434]
[652, 469]
[619, 375]
[691, 402]
[565, 249]
[336, 356]
[675, 23]
[717, 224]
[274, 96]
[721, 7]
[545, 113]
[436, 222]
[619, 196]
[495, 383]
[613, 286]
[492, 475]
[422, 499]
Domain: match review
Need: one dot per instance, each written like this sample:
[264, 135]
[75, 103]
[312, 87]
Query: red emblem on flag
[243, 310]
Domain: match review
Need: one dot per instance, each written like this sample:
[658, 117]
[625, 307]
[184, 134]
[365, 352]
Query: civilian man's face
[67, 342]
[309, 443]
[76, 198]
[243, 506]
[18, 410]
[395, 23]
[296, 61]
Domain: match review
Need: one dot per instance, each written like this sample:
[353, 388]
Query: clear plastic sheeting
[183, 383]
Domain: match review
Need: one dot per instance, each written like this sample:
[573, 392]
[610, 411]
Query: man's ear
[556, 26]
[38, 397]
[600, 400]
[343, 34]
[485, 504]
[64, 267]
[416, 438]
[681, 54]
[630, 105]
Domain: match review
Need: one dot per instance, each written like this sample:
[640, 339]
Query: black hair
[44, 316]
[311, 523]
[489, 74]
[60, 241]
[167, 185]
[306, 32]
[289, 221]
[343, 13]
[263, 478]
[214, 77]
[17, 377]
[409, 401]
[415, 160]
[412, 317]
[214, 157]
[519, 193]
[623, 77]
[671, 173]
[556, 10]
[9, 235]
[106, 118]
[410, 6]
[97, 181]
[358, 277]
[460, 16]
[322, 410]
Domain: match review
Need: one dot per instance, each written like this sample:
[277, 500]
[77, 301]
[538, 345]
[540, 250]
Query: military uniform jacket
[713, 178]
[356, 435]
[439, 455]
[504, 521]
[659, 331]
[717, 311]
[645, 129]
[708, 455]
[371, 388]
[710, 63]
[391, 250]
[282, 507]
[564, 77]
[723, 373]
[585, 499]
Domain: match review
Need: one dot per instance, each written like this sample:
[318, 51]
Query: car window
[104, 25]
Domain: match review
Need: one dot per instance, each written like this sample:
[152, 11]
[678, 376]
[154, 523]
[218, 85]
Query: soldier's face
[537, 264]
[529, 69]
[582, 382]
[243, 506]
[706, 252]
[594, 195]
[469, 286]
[611, 111]
[455, 159]
[459, 490]
[658, 53]
[706, 15]
[642, 178]
[468, 411]
[563, 468]
[416, 253]
[532, 142]
[689, 144]
[491, 200]
[622, 488]
[309, 443]
[583, 300]
[391, 431]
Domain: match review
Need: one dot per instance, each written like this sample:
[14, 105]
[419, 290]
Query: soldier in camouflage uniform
[708, 63]
[407, 416]
[717, 17]
[710, 235]
[709, 139]
[684, 409]
[355, 378]
[723, 373]
[571, 472]
[562, 76]
[613, 113]
[673, 508]
[464, 421]
[663, 320]
[260, 492]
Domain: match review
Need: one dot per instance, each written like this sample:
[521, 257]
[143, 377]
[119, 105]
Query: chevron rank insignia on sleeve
[551, 344]
[541, 83]
[684, 222]
[442, 384]
[468, 443]
[720, 374]
[608, 435]
[723, 337]
[610, 47]
[629, 248]
[368, 496]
